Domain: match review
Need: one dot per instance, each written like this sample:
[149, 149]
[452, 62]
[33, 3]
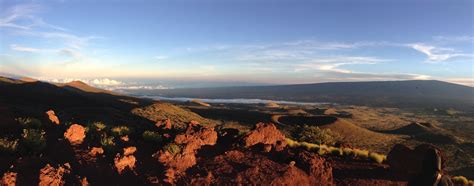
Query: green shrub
[96, 127]
[316, 135]
[460, 180]
[323, 149]
[151, 136]
[348, 152]
[33, 140]
[8, 146]
[120, 131]
[335, 151]
[309, 146]
[292, 143]
[172, 148]
[29, 123]
[363, 154]
[379, 158]
[108, 143]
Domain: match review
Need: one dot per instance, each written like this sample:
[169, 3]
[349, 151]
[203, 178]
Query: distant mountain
[406, 94]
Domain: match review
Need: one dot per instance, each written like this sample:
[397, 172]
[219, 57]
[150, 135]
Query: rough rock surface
[319, 170]
[52, 117]
[129, 151]
[238, 167]
[53, 176]
[95, 151]
[9, 179]
[406, 162]
[266, 134]
[75, 134]
[164, 124]
[192, 140]
[122, 162]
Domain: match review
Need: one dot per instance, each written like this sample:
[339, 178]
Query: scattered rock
[164, 124]
[192, 140]
[318, 169]
[125, 138]
[53, 176]
[75, 134]
[95, 151]
[237, 167]
[266, 134]
[129, 151]
[9, 179]
[52, 117]
[84, 182]
[122, 162]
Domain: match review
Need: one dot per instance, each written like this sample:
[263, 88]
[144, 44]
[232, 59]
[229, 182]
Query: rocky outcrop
[266, 134]
[406, 162]
[127, 160]
[75, 134]
[178, 161]
[95, 151]
[9, 179]
[164, 124]
[53, 176]
[52, 117]
[318, 169]
[244, 167]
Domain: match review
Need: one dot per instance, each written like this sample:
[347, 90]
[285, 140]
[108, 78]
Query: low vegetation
[28, 122]
[172, 148]
[108, 143]
[314, 134]
[33, 140]
[337, 151]
[8, 146]
[460, 180]
[152, 136]
[120, 131]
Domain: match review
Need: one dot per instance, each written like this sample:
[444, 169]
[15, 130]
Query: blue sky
[277, 42]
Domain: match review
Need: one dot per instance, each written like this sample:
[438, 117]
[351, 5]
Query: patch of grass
[120, 131]
[99, 126]
[309, 146]
[460, 180]
[379, 158]
[8, 146]
[363, 154]
[28, 122]
[152, 136]
[292, 143]
[33, 140]
[348, 152]
[172, 148]
[316, 135]
[108, 143]
[336, 151]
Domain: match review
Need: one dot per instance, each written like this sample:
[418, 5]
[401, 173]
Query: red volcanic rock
[249, 168]
[75, 134]
[406, 162]
[129, 151]
[9, 179]
[52, 117]
[123, 162]
[266, 134]
[319, 170]
[96, 151]
[125, 138]
[53, 176]
[192, 140]
[165, 124]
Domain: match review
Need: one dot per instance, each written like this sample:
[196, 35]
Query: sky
[140, 44]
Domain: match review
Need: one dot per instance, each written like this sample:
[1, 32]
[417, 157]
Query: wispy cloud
[161, 57]
[24, 49]
[437, 54]
[24, 17]
[334, 63]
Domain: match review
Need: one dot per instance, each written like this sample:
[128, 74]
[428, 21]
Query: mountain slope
[416, 93]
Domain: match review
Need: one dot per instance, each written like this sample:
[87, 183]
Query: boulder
[52, 117]
[124, 162]
[406, 162]
[75, 134]
[9, 179]
[266, 134]
[95, 151]
[192, 140]
[53, 176]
